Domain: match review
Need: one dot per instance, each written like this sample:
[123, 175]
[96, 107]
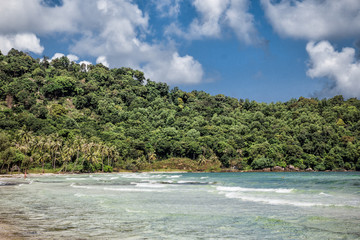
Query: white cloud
[176, 69]
[167, 8]
[102, 60]
[341, 67]
[242, 22]
[20, 41]
[314, 19]
[211, 14]
[217, 15]
[113, 29]
[57, 55]
[32, 16]
[72, 58]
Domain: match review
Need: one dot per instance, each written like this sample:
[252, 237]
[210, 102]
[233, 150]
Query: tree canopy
[60, 115]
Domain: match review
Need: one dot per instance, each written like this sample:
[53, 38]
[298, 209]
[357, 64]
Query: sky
[262, 50]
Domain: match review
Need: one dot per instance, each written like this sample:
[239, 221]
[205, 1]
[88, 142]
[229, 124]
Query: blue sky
[262, 50]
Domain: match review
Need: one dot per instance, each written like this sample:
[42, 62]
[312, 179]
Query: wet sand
[8, 232]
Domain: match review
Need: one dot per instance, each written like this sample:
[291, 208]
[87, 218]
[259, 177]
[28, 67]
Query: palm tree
[78, 146]
[104, 152]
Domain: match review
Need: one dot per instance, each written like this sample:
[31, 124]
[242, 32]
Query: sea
[252, 205]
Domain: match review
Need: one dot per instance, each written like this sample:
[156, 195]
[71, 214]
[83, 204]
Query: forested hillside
[68, 117]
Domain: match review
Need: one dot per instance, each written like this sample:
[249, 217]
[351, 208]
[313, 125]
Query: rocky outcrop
[277, 169]
[291, 168]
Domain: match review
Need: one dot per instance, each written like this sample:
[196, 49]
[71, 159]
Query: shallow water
[184, 206]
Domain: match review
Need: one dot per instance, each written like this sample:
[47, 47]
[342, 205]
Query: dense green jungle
[59, 116]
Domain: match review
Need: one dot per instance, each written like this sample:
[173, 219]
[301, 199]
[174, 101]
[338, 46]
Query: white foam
[79, 195]
[136, 190]
[204, 177]
[77, 179]
[142, 175]
[134, 211]
[77, 186]
[325, 194]
[274, 201]
[240, 189]
[149, 185]
[174, 176]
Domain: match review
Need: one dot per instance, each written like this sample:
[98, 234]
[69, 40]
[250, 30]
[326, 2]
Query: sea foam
[274, 201]
[136, 190]
[241, 189]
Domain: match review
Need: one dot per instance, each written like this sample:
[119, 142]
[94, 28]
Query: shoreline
[21, 175]
[9, 232]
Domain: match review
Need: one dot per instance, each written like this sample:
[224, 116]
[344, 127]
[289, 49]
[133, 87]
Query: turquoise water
[184, 206]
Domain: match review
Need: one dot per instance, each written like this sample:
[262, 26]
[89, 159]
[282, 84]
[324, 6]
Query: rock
[309, 169]
[292, 168]
[266, 170]
[277, 169]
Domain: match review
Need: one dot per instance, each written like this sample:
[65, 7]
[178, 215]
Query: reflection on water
[184, 206]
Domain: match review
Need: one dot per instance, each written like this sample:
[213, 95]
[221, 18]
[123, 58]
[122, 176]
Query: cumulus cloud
[57, 55]
[242, 22]
[110, 30]
[217, 15]
[20, 41]
[102, 60]
[211, 14]
[314, 19]
[341, 67]
[71, 57]
[32, 16]
[167, 8]
[179, 70]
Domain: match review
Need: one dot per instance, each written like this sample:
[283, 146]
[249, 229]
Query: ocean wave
[136, 190]
[325, 194]
[194, 183]
[274, 201]
[142, 176]
[79, 195]
[134, 211]
[149, 185]
[8, 183]
[80, 186]
[241, 189]
[174, 176]
[77, 179]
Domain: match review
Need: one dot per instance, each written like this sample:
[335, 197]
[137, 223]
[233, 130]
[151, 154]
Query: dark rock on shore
[277, 169]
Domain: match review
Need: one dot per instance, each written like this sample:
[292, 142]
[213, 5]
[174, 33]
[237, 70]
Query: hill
[61, 116]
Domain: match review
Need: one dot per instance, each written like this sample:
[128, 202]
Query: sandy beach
[8, 232]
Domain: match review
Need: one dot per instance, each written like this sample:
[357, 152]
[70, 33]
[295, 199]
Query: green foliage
[261, 163]
[59, 86]
[60, 116]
